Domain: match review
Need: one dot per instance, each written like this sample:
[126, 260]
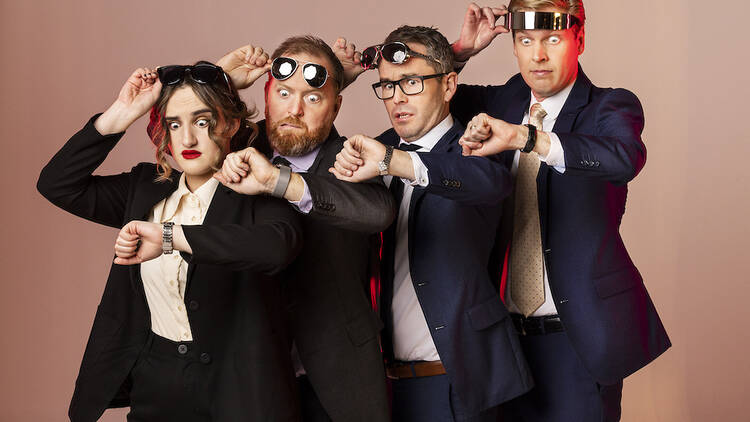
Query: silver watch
[166, 238]
[384, 165]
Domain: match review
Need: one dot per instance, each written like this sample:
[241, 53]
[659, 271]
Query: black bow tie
[404, 146]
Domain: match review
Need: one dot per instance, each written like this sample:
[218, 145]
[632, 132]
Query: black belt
[533, 326]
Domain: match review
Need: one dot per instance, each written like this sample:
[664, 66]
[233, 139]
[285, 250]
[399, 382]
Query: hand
[248, 172]
[478, 30]
[138, 242]
[359, 159]
[136, 97]
[350, 58]
[245, 65]
[485, 136]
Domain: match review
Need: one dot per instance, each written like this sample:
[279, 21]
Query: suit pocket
[363, 328]
[617, 282]
[487, 314]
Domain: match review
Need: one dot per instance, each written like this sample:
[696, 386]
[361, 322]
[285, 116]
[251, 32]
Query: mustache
[296, 121]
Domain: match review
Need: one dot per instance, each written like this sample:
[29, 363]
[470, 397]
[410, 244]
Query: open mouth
[190, 154]
[402, 116]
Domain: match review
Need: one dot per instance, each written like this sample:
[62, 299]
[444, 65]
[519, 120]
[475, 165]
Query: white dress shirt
[164, 278]
[555, 159]
[411, 335]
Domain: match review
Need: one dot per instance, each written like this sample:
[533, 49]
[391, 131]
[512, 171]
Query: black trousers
[564, 391]
[312, 409]
[169, 383]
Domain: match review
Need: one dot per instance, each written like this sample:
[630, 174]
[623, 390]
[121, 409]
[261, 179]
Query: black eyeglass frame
[376, 85]
[316, 66]
[408, 53]
[195, 71]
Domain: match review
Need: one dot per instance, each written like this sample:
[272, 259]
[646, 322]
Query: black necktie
[280, 161]
[404, 146]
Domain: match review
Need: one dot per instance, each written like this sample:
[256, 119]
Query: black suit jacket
[599, 294]
[332, 321]
[233, 304]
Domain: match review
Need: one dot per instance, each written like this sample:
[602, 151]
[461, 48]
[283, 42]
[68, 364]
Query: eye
[554, 39]
[313, 98]
[173, 125]
[525, 41]
[387, 85]
[412, 81]
[203, 122]
[283, 93]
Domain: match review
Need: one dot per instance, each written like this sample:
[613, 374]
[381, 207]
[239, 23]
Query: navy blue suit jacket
[598, 292]
[452, 223]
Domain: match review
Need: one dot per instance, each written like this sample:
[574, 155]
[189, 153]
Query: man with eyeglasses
[452, 351]
[334, 329]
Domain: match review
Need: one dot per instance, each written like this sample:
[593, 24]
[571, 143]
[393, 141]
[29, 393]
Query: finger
[238, 165]
[348, 158]
[338, 174]
[340, 43]
[220, 177]
[128, 261]
[357, 57]
[350, 148]
[350, 49]
[487, 14]
[124, 252]
[121, 241]
[341, 169]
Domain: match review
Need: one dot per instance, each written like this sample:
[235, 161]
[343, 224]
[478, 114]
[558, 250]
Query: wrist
[115, 119]
[521, 137]
[402, 165]
[460, 54]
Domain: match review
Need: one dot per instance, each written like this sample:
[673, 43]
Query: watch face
[382, 166]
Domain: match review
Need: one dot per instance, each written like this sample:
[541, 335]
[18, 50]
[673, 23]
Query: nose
[296, 107]
[398, 95]
[188, 139]
[540, 53]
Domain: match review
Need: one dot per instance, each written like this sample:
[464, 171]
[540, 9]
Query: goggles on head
[552, 21]
[395, 52]
[314, 74]
[203, 73]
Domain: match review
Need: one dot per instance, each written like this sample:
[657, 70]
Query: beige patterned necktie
[526, 262]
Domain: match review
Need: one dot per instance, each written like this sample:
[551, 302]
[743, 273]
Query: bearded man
[333, 328]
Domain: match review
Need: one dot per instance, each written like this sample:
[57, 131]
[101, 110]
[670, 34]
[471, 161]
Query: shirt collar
[300, 163]
[204, 193]
[554, 104]
[428, 141]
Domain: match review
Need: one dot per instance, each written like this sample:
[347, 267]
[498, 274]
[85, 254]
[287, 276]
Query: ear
[234, 126]
[450, 86]
[581, 40]
[337, 106]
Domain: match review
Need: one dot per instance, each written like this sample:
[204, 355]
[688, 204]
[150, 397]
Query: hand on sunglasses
[245, 65]
[350, 58]
[478, 30]
[136, 97]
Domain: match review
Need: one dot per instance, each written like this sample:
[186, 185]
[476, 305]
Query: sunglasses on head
[203, 73]
[283, 68]
[394, 52]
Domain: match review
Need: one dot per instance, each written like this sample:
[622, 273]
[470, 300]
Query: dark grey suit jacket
[331, 318]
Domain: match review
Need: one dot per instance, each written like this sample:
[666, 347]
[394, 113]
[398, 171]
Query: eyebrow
[195, 113]
[402, 76]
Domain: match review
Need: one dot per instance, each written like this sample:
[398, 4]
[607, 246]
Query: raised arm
[67, 180]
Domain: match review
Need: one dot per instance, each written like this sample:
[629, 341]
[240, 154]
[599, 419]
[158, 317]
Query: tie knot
[280, 161]
[536, 115]
[404, 146]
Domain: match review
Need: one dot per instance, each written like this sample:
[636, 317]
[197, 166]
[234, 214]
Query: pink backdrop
[686, 224]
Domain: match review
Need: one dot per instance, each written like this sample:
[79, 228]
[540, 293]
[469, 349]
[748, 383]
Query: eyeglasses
[410, 85]
[395, 52]
[314, 74]
[203, 73]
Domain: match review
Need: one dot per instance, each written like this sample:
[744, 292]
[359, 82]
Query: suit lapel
[324, 151]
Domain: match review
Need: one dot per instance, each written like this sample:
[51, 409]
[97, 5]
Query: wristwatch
[384, 165]
[530, 140]
[166, 237]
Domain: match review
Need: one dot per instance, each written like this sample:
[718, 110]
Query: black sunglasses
[395, 52]
[203, 73]
[314, 74]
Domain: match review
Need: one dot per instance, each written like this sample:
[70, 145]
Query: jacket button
[194, 305]
[182, 349]
[422, 283]
[439, 327]
[547, 251]
[205, 358]
[563, 301]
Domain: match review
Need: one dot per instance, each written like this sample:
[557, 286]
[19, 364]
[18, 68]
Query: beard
[295, 144]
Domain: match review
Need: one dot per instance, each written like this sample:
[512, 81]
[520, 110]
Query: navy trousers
[564, 391]
[431, 399]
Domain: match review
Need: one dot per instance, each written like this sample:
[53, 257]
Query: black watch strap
[531, 140]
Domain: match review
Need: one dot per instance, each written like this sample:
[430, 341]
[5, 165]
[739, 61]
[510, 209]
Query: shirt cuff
[304, 205]
[420, 172]
[555, 157]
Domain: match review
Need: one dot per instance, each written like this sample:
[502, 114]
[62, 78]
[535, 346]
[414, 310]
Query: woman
[191, 331]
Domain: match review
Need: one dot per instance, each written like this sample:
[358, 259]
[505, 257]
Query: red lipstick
[190, 154]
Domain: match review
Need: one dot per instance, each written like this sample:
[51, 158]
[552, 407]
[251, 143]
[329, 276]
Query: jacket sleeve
[469, 180]
[362, 207]
[266, 242]
[471, 100]
[67, 180]
[614, 151]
